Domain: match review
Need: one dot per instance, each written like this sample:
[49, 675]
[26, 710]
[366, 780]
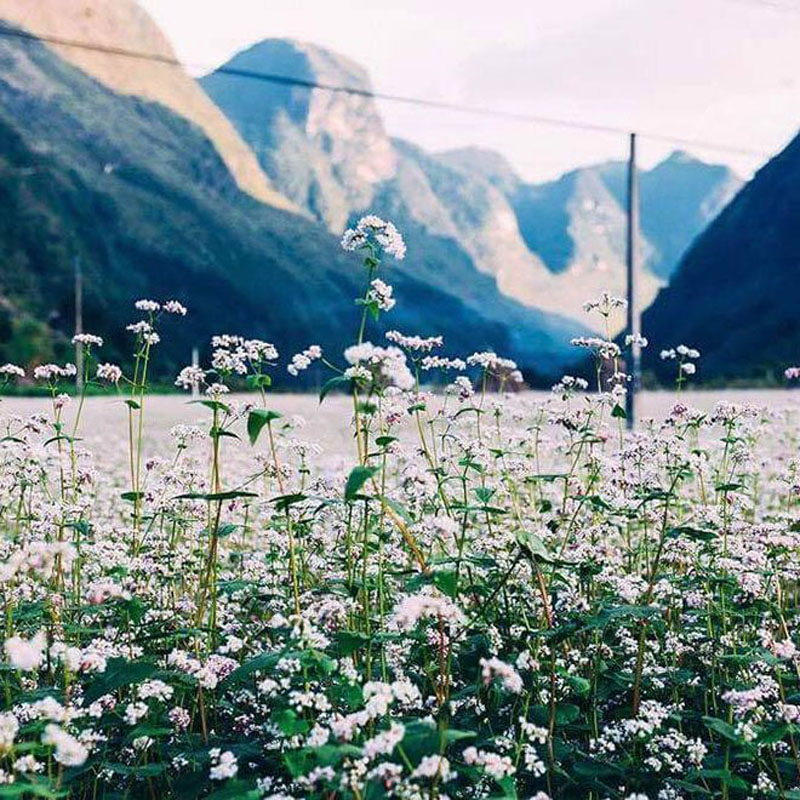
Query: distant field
[326, 424]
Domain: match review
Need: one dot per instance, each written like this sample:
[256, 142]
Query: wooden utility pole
[78, 320]
[195, 363]
[633, 327]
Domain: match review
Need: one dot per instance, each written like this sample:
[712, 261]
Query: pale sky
[726, 71]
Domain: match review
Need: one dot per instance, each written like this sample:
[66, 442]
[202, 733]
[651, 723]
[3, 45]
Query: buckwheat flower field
[481, 593]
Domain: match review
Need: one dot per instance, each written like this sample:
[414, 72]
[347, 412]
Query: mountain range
[231, 193]
[734, 295]
[551, 245]
[142, 196]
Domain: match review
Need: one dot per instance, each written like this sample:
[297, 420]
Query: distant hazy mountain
[678, 198]
[550, 246]
[143, 197]
[734, 294]
[124, 24]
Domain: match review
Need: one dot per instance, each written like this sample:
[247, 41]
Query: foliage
[488, 596]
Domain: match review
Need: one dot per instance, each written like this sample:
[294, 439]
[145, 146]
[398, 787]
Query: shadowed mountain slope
[143, 198]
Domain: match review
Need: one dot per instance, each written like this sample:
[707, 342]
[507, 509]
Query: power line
[287, 80]
[773, 5]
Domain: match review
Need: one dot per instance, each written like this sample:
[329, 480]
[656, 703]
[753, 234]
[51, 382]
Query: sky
[723, 71]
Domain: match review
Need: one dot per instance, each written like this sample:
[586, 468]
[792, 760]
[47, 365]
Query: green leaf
[533, 545]
[141, 770]
[255, 664]
[132, 496]
[347, 642]
[618, 412]
[214, 405]
[230, 495]
[257, 419]
[774, 734]
[330, 385]
[259, 381]
[119, 672]
[222, 531]
[284, 501]
[579, 685]
[236, 790]
[218, 433]
[723, 728]
[357, 478]
[484, 494]
[289, 723]
[446, 581]
[692, 533]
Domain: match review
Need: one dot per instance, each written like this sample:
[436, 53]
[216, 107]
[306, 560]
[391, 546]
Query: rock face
[575, 225]
[326, 151]
[550, 246]
[734, 293]
[143, 198]
[123, 24]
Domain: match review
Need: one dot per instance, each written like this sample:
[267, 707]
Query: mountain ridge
[144, 199]
[549, 246]
[116, 24]
[733, 294]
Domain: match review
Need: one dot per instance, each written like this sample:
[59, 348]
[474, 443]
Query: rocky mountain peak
[124, 24]
[333, 146]
[489, 164]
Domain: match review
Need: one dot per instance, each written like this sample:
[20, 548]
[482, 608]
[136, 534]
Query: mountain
[576, 224]
[142, 196]
[678, 197]
[124, 24]
[733, 295]
[550, 246]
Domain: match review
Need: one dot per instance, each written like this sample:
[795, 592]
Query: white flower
[69, 751]
[386, 365]
[430, 603]
[49, 372]
[380, 293]
[12, 371]
[174, 307]
[636, 339]
[156, 689]
[9, 725]
[147, 305]
[385, 742]
[495, 668]
[224, 765]
[189, 377]
[372, 228]
[109, 372]
[433, 767]
[25, 654]
[414, 342]
[302, 361]
[87, 340]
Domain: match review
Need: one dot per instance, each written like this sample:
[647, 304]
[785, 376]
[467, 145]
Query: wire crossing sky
[289, 80]
[721, 71]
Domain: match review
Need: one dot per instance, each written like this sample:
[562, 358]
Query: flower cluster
[464, 594]
[372, 231]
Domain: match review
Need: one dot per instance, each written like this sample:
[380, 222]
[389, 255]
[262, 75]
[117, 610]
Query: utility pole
[633, 327]
[78, 320]
[195, 363]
